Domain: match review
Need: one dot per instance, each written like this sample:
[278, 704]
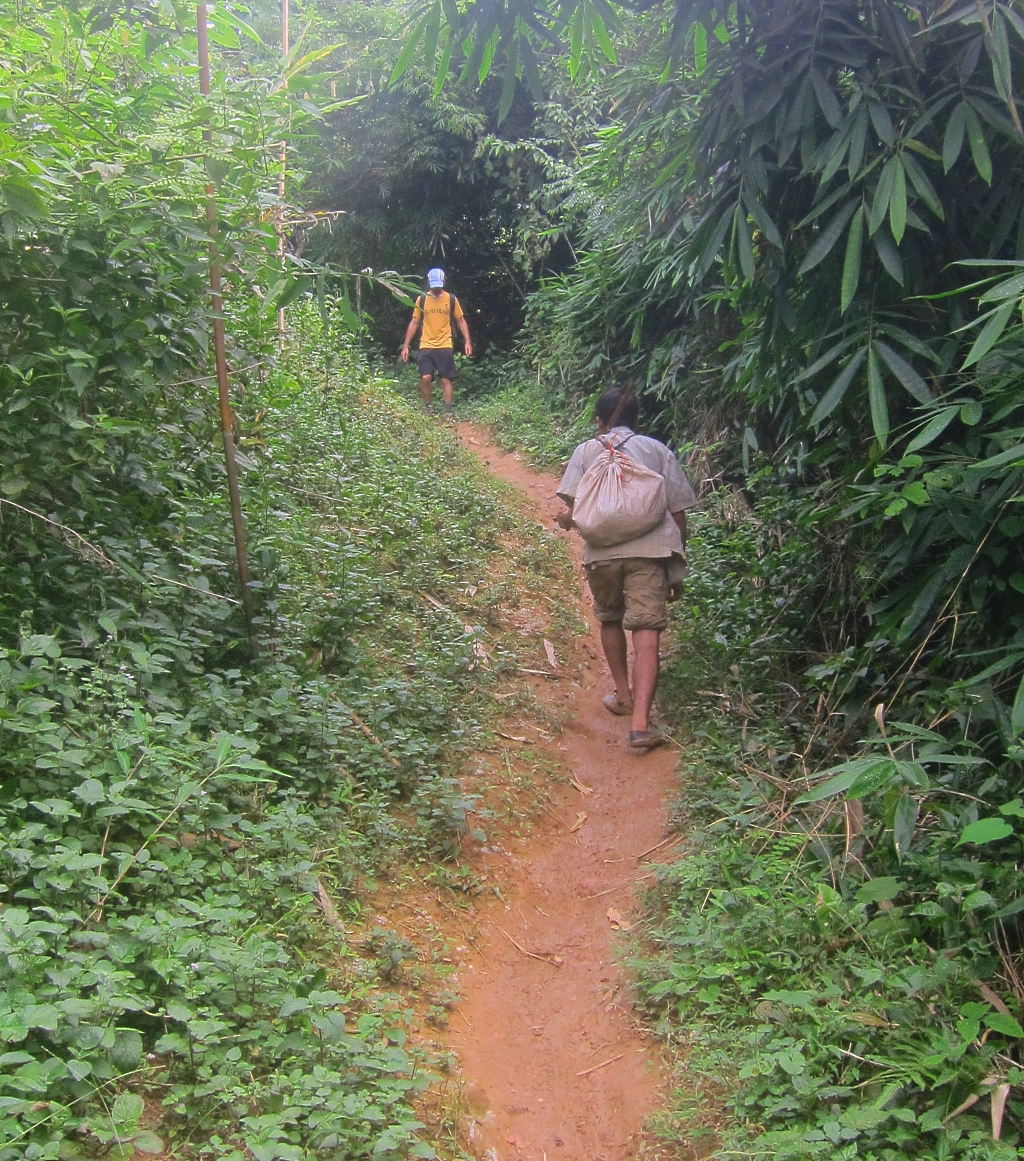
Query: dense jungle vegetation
[798, 229]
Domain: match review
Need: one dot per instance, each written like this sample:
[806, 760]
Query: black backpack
[452, 300]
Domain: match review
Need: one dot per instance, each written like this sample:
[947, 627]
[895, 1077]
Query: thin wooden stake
[220, 358]
[284, 163]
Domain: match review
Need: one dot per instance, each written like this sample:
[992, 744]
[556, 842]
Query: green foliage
[168, 818]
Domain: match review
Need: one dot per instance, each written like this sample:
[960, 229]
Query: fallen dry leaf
[582, 787]
[480, 652]
[549, 650]
[511, 737]
[581, 818]
[616, 920]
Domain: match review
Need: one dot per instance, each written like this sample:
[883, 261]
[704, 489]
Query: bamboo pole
[284, 163]
[220, 357]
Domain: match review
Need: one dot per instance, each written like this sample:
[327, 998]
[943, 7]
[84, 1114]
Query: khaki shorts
[633, 590]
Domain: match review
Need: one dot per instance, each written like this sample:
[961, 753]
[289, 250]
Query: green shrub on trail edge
[830, 995]
[166, 811]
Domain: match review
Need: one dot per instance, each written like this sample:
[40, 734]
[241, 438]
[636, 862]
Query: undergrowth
[181, 832]
[835, 981]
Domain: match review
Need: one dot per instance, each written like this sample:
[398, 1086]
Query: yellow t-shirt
[437, 325]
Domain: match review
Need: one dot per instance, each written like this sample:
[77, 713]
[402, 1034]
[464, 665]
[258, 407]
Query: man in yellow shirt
[437, 311]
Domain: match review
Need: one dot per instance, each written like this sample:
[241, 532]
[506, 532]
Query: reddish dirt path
[555, 1065]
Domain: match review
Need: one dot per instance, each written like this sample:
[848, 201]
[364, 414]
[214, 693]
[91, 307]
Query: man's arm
[464, 330]
[564, 518]
[680, 519]
[410, 331]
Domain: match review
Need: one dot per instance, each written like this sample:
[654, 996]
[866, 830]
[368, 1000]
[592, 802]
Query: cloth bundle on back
[618, 499]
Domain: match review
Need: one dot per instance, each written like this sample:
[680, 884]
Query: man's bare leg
[427, 389]
[448, 390]
[613, 642]
[645, 675]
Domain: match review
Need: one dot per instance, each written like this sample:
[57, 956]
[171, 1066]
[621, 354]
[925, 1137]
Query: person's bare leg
[427, 389]
[448, 390]
[645, 675]
[613, 642]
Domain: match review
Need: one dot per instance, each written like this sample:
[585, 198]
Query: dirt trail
[556, 1066]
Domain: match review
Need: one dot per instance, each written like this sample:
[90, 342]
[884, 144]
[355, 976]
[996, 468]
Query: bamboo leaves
[979, 147]
[851, 263]
[876, 399]
[898, 201]
[828, 237]
[953, 138]
[834, 395]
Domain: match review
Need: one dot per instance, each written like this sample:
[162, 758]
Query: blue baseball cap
[435, 277]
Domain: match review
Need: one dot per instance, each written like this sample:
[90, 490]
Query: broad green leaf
[444, 64]
[411, 44]
[933, 429]
[22, 197]
[714, 244]
[874, 779]
[1017, 713]
[824, 360]
[882, 122]
[530, 70]
[762, 218]
[576, 42]
[898, 201]
[827, 101]
[990, 333]
[889, 255]
[858, 139]
[833, 396]
[876, 399]
[971, 413]
[700, 48]
[920, 181]
[828, 237]
[883, 192]
[487, 59]
[953, 138]
[979, 146]
[842, 778]
[508, 86]
[851, 263]
[998, 48]
[1005, 1024]
[903, 824]
[744, 244]
[90, 791]
[601, 36]
[127, 1110]
[223, 751]
[881, 890]
[985, 830]
[905, 373]
[430, 36]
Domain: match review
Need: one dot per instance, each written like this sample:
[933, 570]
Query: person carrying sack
[627, 496]
[436, 312]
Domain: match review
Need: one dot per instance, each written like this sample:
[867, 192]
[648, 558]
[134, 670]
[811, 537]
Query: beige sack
[618, 499]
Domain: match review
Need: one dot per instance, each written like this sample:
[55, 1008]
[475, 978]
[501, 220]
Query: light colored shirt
[663, 540]
[436, 313]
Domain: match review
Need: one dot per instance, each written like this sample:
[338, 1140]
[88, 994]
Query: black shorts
[437, 361]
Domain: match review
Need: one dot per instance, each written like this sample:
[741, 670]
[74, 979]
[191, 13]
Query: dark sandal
[641, 741]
